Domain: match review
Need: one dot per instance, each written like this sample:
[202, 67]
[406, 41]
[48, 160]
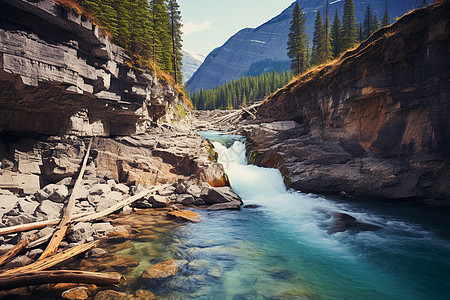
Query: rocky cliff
[60, 74]
[374, 123]
[254, 51]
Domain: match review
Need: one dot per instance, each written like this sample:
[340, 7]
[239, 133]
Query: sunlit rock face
[60, 74]
[375, 122]
[253, 51]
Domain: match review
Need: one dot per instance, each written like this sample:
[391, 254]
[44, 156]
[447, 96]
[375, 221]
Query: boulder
[99, 189]
[82, 193]
[344, 222]
[113, 195]
[185, 199]
[199, 202]
[19, 261]
[194, 190]
[122, 188]
[35, 253]
[143, 203]
[111, 183]
[81, 233]
[49, 210]
[180, 189]
[102, 229]
[219, 195]
[224, 206]
[167, 190]
[77, 293]
[54, 192]
[164, 269]
[20, 219]
[7, 202]
[158, 201]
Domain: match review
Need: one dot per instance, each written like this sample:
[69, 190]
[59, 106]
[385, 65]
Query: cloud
[190, 27]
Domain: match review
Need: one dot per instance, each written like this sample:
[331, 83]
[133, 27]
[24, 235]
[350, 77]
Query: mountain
[253, 51]
[191, 62]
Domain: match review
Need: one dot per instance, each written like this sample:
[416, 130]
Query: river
[282, 249]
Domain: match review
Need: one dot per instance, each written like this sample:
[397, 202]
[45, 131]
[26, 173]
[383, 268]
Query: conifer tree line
[329, 41]
[241, 92]
[151, 30]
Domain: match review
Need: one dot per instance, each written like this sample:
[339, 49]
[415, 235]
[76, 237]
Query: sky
[208, 24]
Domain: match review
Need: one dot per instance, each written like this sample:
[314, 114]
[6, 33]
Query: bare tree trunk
[61, 230]
[60, 276]
[53, 260]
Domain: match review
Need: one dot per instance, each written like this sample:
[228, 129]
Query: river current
[282, 248]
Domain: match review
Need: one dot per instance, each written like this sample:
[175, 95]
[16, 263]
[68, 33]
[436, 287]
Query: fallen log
[60, 276]
[116, 207]
[11, 253]
[61, 230]
[53, 260]
[35, 225]
[249, 112]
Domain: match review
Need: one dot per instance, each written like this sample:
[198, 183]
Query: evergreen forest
[241, 92]
[149, 30]
[330, 39]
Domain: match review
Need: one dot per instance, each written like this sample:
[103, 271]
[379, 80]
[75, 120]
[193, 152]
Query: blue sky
[210, 23]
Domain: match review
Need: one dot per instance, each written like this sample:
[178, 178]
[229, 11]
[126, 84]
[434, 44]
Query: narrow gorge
[334, 187]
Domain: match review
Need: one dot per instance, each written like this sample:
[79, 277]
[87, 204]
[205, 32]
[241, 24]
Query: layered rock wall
[60, 74]
[382, 110]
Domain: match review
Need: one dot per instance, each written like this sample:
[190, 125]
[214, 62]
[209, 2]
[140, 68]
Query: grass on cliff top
[138, 62]
[135, 61]
[78, 9]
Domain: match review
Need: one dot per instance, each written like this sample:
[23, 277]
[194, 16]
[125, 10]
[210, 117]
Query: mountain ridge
[220, 67]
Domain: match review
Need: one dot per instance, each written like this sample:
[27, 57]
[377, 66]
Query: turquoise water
[281, 250]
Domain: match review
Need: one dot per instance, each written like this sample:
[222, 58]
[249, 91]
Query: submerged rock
[77, 293]
[164, 269]
[344, 222]
[185, 215]
[110, 295]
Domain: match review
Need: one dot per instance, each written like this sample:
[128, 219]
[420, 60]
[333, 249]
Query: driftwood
[235, 115]
[249, 112]
[60, 276]
[53, 260]
[61, 230]
[116, 207]
[11, 253]
[34, 225]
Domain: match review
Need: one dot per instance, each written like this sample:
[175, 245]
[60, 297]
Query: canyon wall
[387, 101]
[59, 73]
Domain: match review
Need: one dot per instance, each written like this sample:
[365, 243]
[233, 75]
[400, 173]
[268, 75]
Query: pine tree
[386, 19]
[175, 32]
[162, 48]
[376, 23]
[327, 43]
[349, 26]
[297, 41]
[368, 23]
[336, 27]
[317, 56]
